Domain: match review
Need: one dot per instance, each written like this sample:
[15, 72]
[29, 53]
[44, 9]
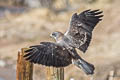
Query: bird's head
[56, 35]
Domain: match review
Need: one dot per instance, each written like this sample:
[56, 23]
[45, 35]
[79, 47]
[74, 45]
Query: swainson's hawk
[62, 52]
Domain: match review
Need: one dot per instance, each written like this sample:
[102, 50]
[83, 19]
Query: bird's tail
[85, 66]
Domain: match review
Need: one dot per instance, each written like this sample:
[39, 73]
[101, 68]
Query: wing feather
[48, 54]
[81, 27]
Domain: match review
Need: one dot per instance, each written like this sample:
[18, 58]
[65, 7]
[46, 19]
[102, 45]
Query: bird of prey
[63, 52]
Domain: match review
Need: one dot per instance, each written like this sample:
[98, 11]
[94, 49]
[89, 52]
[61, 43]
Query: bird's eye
[53, 34]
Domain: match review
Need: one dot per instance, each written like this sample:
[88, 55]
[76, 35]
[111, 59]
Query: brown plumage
[62, 53]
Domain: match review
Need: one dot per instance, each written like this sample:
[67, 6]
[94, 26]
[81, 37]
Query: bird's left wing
[48, 54]
[81, 27]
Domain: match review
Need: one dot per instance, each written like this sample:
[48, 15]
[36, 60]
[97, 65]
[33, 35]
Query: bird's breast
[68, 41]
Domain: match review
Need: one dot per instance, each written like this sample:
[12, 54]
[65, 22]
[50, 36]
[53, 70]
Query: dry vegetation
[34, 26]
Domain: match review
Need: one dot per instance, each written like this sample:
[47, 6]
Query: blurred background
[28, 22]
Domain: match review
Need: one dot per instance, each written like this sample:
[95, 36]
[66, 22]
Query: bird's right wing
[48, 54]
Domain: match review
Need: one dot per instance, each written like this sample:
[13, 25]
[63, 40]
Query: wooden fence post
[55, 73]
[111, 75]
[24, 69]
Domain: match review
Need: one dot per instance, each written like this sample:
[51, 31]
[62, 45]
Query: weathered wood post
[111, 75]
[24, 69]
[55, 73]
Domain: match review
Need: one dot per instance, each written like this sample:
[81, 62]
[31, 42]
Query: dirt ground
[34, 26]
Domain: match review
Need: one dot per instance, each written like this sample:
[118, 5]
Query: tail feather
[85, 66]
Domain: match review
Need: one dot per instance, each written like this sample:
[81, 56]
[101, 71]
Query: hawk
[63, 52]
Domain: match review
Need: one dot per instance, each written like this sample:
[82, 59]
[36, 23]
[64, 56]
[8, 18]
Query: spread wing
[48, 54]
[81, 27]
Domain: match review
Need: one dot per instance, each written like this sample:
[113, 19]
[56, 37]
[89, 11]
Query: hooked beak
[51, 36]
